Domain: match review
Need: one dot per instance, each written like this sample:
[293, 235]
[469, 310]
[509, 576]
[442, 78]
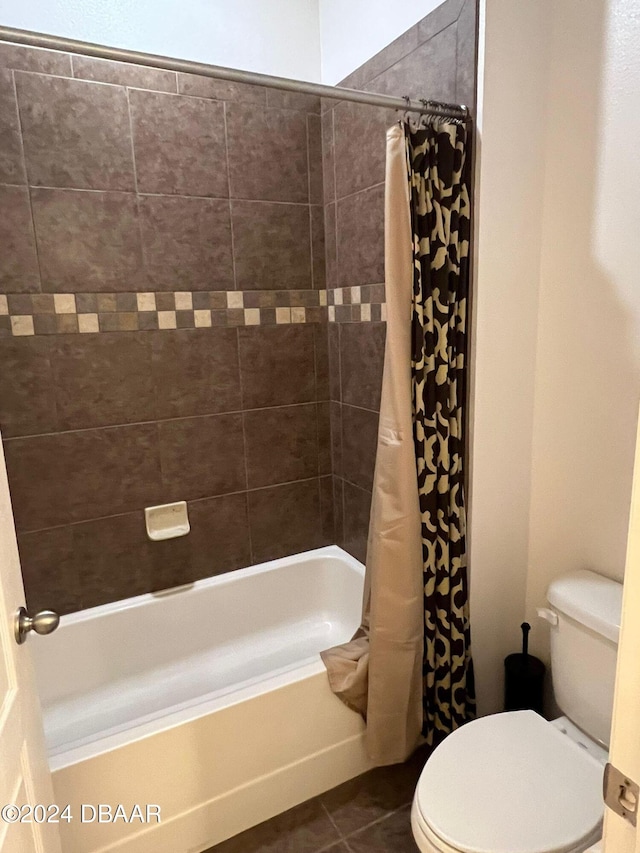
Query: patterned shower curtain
[437, 158]
[408, 667]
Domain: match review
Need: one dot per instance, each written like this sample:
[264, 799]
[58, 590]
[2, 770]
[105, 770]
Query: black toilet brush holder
[523, 678]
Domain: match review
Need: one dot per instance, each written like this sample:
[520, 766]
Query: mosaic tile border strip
[28, 314]
[365, 313]
[372, 294]
[358, 304]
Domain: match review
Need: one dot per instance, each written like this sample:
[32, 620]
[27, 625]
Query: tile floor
[369, 814]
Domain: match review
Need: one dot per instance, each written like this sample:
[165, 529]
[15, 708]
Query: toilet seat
[508, 783]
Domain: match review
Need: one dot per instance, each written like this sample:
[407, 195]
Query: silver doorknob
[43, 622]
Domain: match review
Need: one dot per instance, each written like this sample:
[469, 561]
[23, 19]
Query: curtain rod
[32, 39]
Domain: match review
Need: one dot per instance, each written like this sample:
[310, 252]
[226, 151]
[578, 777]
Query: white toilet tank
[584, 646]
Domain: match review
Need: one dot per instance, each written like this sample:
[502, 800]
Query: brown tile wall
[435, 59]
[118, 183]
[118, 180]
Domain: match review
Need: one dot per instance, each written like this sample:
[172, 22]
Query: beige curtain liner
[379, 673]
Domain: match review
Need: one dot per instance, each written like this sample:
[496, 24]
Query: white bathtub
[210, 701]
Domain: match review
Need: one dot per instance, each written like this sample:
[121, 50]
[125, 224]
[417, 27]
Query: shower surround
[162, 324]
[436, 59]
[164, 296]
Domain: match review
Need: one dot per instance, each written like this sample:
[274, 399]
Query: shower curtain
[408, 669]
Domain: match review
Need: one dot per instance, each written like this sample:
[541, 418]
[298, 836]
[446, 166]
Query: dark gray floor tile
[303, 829]
[369, 797]
[391, 835]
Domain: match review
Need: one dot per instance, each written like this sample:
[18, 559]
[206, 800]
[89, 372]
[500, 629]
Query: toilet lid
[511, 783]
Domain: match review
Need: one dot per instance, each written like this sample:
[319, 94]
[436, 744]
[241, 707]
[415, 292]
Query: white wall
[278, 37]
[588, 357]
[352, 31]
[557, 339]
[281, 37]
[507, 264]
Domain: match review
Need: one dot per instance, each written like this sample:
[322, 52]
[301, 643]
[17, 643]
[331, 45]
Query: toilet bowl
[516, 783]
[509, 783]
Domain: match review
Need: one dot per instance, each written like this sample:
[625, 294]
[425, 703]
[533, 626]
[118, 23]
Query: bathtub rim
[222, 579]
[273, 680]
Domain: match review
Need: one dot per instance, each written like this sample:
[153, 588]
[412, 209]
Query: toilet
[516, 783]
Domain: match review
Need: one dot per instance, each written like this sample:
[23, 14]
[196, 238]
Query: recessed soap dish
[167, 521]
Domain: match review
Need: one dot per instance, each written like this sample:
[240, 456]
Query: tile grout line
[336, 285]
[358, 192]
[27, 184]
[420, 44]
[315, 385]
[246, 478]
[361, 408]
[375, 822]
[342, 509]
[134, 166]
[311, 265]
[355, 485]
[345, 837]
[335, 200]
[456, 65]
[155, 91]
[139, 510]
[226, 157]
[244, 446]
[163, 195]
[330, 816]
[125, 425]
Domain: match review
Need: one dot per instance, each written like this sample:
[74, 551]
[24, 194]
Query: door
[25, 779]
[620, 836]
